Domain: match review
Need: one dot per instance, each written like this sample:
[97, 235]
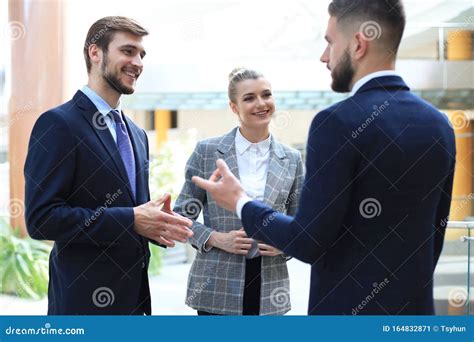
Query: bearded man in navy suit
[87, 186]
[379, 174]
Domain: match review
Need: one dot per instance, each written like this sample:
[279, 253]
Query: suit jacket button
[143, 264]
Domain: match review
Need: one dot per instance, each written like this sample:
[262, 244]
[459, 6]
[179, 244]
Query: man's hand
[235, 241]
[268, 250]
[223, 186]
[161, 224]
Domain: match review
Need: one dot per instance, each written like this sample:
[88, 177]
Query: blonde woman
[233, 274]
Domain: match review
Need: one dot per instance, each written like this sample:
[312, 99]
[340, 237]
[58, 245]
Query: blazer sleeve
[192, 200]
[295, 192]
[324, 198]
[49, 177]
[442, 213]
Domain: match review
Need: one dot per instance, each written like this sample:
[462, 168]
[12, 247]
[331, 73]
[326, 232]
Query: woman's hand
[267, 250]
[235, 241]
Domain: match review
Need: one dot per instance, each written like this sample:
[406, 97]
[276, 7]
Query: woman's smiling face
[254, 103]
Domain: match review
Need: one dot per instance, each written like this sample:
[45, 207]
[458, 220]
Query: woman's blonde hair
[237, 75]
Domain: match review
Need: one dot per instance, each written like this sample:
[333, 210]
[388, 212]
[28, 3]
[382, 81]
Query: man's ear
[95, 54]
[360, 45]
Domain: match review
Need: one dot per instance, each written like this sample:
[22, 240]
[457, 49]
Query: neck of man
[371, 66]
[255, 135]
[104, 90]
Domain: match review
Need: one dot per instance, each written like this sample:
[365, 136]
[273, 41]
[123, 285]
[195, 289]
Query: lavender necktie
[125, 148]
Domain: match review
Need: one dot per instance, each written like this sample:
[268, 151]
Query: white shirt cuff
[240, 204]
[204, 248]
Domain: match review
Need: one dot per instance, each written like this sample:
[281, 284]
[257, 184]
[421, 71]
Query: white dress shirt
[252, 160]
[371, 76]
[103, 108]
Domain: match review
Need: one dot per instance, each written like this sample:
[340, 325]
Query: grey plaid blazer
[216, 280]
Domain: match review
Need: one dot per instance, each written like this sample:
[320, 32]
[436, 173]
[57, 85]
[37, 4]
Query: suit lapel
[277, 166]
[90, 113]
[226, 151]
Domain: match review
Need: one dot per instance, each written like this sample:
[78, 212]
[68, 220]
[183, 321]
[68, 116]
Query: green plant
[155, 260]
[167, 166]
[167, 175]
[23, 264]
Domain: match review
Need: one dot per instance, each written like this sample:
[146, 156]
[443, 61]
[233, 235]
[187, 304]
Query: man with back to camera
[374, 206]
[87, 186]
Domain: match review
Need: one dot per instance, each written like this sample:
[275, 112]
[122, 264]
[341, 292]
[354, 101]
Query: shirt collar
[242, 144]
[102, 106]
[371, 76]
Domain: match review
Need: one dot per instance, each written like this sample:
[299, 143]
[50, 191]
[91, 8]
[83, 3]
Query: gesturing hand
[161, 224]
[223, 186]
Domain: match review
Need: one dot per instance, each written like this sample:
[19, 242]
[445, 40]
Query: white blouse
[252, 160]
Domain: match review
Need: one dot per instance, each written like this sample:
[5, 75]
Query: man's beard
[342, 74]
[113, 80]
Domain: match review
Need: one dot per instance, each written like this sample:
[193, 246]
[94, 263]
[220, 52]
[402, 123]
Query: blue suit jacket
[78, 195]
[374, 205]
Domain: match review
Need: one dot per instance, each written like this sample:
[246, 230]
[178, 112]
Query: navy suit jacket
[374, 205]
[78, 195]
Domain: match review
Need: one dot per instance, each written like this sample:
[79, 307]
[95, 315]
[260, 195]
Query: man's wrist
[136, 217]
[244, 199]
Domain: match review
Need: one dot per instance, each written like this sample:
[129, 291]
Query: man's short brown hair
[103, 30]
[388, 14]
